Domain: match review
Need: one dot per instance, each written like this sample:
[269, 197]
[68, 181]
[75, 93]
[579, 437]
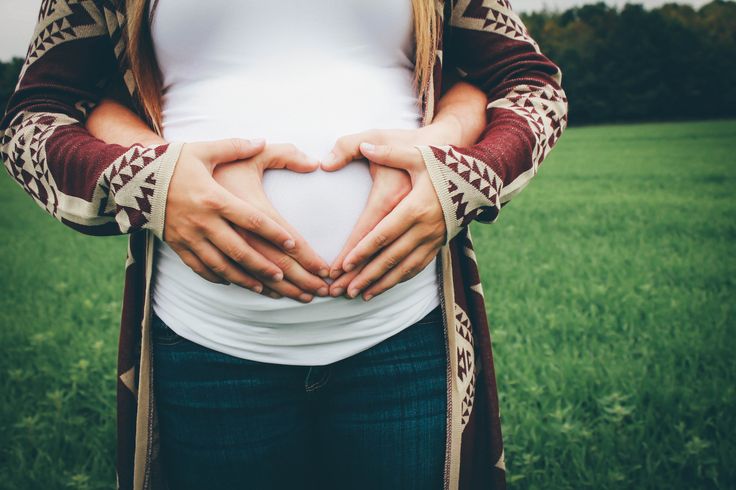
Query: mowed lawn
[609, 285]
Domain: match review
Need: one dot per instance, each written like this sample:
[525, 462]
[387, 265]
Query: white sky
[19, 18]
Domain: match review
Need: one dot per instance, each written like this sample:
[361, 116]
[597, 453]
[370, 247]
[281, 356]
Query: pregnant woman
[302, 307]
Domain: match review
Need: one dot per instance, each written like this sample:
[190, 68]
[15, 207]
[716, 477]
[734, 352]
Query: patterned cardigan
[78, 53]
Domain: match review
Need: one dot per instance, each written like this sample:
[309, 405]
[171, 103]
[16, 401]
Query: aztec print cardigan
[79, 52]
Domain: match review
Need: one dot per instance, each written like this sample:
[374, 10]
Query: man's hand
[302, 266]
[390, 185]
[206, 178]
[200, 212]
[405, 240]
[459, 120]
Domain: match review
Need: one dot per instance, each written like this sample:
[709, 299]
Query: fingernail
[289, 243]
[275, 295]
[305, 297]
[278, 276]
[257, 141]
[353, 292]
[349, 267]
[323, 273]
[337, 292]
[367, 297]
[323, 291]
[258, 289]
[335, 274]
[367, 147]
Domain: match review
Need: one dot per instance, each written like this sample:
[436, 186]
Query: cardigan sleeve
[93, 187]
[487, 45]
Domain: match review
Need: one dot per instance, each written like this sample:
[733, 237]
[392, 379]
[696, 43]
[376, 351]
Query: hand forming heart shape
[402, 226]
[410, 232]
[397, 234]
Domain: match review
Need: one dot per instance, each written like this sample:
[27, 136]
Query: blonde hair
[148, 77]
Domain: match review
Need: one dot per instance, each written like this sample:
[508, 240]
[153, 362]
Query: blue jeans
[376, 420]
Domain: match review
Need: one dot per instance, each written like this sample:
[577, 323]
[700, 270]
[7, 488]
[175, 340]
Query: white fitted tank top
[301, 72]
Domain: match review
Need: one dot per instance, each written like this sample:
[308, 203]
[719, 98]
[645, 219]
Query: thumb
[230, 149]
[284, 155]
[402, 157]
[346, 150]
[301, 163]
[373, 213]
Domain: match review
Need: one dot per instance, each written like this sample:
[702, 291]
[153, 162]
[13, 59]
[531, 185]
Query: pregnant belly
[322, 206]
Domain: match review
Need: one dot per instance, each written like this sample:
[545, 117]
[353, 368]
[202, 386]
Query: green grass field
[610, 288]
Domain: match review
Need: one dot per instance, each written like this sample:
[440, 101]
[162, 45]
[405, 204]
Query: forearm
[460, 116]
[459, 120]
[114, 123]
[526, 114]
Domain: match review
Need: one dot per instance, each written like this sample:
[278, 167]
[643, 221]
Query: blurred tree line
[633, 64]
[628, 64]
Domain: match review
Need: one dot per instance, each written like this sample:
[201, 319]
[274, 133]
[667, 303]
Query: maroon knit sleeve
[487, 44]
[91, 186]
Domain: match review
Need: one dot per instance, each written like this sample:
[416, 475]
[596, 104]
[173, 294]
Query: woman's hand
[200, 214]
[459, 120]
[390, 186]
[301, 268]
[116, 124]
[405, 240]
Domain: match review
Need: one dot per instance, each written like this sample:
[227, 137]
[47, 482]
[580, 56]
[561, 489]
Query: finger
[223, 267]
[300, 249]
[395, 224]
[198, 266]
[289, 290]
[408, 268]
[233, 246]
[293, 271]
[367, 220]
[272, 289]
[347, 149]
[250, 218]
[401, 157]
[384, 262]
[278, 288]
[270, 293]
[230, 149]
[381, 200]
[288, 156]
[302, 252]
[373, 213]
[340, 285]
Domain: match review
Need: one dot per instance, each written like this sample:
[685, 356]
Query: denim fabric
[376, 420]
